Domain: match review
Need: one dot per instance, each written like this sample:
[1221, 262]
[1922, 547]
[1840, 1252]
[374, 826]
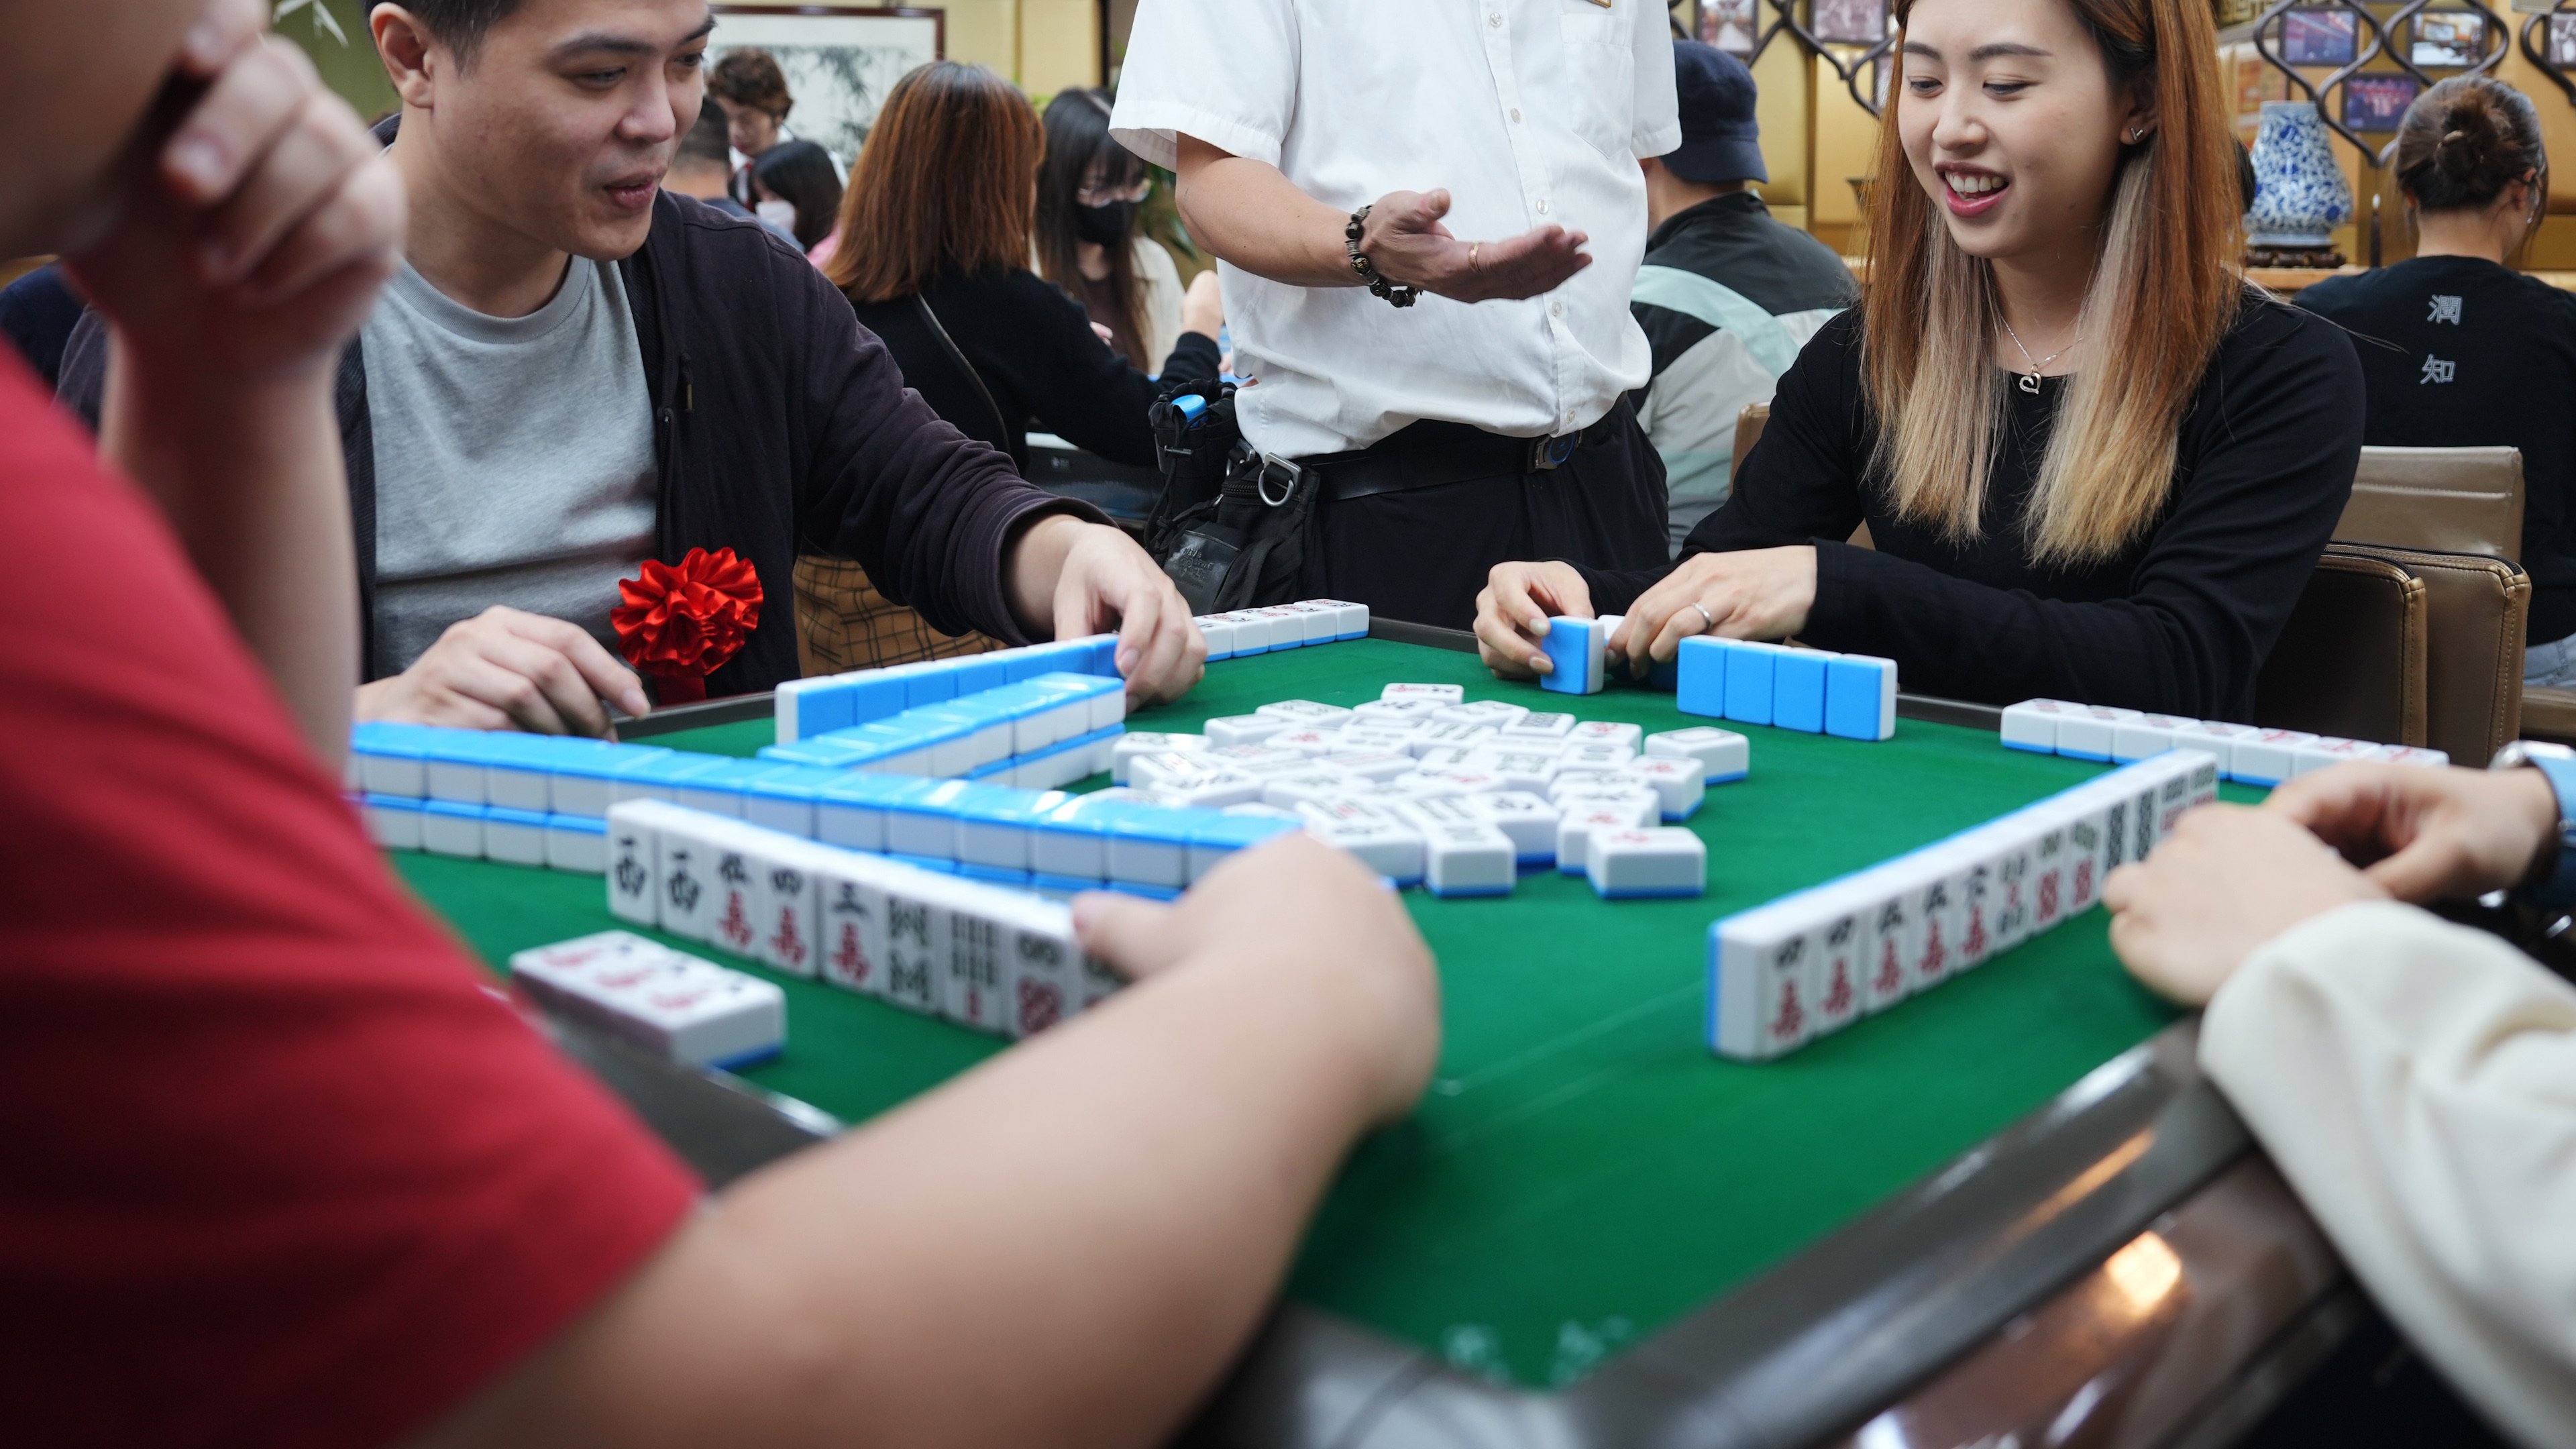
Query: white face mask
[780, 214]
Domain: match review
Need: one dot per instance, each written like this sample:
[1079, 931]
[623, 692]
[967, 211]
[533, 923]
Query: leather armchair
[2350, 661]
[2450, 520]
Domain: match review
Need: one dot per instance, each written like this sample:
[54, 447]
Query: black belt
[1429, 454]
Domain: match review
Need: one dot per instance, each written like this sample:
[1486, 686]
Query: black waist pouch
[1231, 526]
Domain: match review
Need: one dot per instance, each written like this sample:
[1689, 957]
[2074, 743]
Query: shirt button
[1494, 21]
[1556, 309]
[1542, 206]
[1516, 114]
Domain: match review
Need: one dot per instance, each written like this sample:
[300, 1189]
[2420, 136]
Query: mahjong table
[2009, 1206]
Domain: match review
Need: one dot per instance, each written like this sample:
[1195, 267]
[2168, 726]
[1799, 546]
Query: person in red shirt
[279, 1168]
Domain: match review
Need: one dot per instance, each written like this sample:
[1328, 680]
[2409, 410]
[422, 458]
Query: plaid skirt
[843, 623]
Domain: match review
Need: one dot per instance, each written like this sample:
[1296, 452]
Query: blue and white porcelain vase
[2300, 195]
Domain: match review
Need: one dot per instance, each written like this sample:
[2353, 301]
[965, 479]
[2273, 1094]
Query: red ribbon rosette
[679, 625]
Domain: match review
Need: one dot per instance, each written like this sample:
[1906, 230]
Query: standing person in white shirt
[1475, 166]
[2415, 1080]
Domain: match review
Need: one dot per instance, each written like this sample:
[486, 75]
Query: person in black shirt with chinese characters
[2462, 351]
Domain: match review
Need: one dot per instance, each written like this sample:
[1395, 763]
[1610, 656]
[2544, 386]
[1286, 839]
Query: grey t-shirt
[514, 458]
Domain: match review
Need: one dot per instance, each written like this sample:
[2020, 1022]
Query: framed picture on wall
[2448, 38]
[2318, 37]
[1730, 25]
[2562, 41]
[839, 63]
[1851, 22]
[2378, 102]
[2251, 81]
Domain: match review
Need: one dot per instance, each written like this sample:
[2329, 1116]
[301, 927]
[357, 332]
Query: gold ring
[1472, 249]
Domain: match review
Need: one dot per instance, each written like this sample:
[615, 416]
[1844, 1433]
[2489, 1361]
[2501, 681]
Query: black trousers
[1421, 554]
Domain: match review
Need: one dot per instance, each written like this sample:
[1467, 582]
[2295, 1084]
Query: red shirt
[275, 1168]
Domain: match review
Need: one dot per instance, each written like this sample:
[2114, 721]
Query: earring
[2137, 134]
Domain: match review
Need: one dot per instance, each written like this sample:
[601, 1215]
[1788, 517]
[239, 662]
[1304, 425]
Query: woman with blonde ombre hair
[2094, 463]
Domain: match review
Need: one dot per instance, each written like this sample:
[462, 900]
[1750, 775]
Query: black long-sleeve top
[1033, 349]
[2178, 622]
[2463, 353]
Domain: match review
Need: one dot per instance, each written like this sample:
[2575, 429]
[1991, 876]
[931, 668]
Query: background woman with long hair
[2095, 464]
[2462, 350]
[935, 258]
[798, 175]
[1089, 192]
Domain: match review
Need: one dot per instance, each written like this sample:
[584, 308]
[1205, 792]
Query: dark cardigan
[780, 427]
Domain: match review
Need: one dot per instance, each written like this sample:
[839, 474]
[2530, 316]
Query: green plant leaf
[323, 20]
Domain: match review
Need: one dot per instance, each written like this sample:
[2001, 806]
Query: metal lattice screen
[2392, 47]
[1853, 36]
[2549, 43]
[2377, 58]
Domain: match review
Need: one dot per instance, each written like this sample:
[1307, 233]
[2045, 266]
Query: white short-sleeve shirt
[1530, 112]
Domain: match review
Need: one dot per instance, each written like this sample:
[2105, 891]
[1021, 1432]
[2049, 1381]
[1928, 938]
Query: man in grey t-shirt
[544, 509]
[574, 312]
[571, 331]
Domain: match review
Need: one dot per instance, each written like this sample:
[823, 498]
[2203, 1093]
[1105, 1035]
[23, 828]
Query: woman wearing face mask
[935, 252]
[793, 186]
[2095, 464]
[2462, 350]
[1089, 191]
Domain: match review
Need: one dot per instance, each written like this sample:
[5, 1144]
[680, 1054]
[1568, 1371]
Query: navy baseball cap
[1721, 141]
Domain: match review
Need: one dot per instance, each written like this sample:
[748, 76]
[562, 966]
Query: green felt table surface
[1583, 1170]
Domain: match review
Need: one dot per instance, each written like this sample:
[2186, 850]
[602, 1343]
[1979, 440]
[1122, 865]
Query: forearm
[1195, 355]
[1089, 395]
[1064, 1247]
[2170, 652]
[252, 481]
[1032, 566]
[1247, 213]
[2409, 1077]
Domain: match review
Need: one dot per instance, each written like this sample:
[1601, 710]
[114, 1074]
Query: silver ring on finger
[1707, 620]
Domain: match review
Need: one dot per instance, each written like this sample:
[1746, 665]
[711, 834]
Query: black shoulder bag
[956, 354]
[1230, 528]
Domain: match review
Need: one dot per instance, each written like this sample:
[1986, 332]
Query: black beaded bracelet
[1401, 296]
